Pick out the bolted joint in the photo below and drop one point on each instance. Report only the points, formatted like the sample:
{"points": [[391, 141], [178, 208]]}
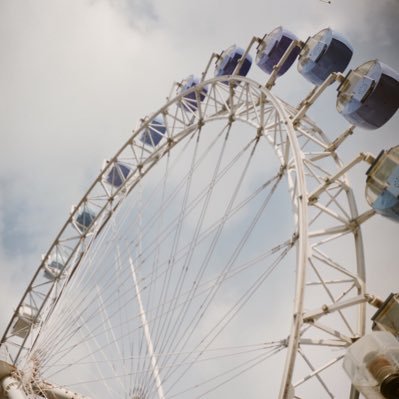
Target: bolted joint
{"points": [[294, 238], [281, 171], [313, 199], [259, 132], [368, 158], [354, 225], [374, 300]]}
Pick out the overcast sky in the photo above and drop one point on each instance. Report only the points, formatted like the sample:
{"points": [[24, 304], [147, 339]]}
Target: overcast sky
{"points": [[77, 75]]}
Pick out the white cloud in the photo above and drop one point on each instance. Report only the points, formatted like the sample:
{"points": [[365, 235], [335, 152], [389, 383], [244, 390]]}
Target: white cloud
{"points": [[76, 76]]}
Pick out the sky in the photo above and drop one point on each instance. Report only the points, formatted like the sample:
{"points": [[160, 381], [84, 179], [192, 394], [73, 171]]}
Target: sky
{"points": [[77, 76]]}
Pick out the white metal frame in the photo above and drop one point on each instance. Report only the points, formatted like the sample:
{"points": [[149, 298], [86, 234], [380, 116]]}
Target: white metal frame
{"points": [[304, 152]]}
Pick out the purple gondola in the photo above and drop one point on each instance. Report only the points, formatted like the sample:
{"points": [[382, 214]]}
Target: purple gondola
{"points": [[118, 174], [154, 133], [272, 49], [190, 100], [369, 96], [324, 53], [84, 220], [229, 59]]}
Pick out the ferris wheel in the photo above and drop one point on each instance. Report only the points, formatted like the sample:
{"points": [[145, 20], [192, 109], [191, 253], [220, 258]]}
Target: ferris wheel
{"points": [[219, 253]]}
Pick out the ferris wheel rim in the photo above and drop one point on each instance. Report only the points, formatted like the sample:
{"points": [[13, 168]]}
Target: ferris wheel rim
{"points": [[301, 190]]}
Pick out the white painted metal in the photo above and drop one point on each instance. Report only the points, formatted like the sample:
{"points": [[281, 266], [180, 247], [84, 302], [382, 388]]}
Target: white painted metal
{"points": [[301, 201], [246, 52], [12, 388], [361, 157], [147, 333], [314, 95], [312, 315], [289, 134], [272, 80], [53, 392]]}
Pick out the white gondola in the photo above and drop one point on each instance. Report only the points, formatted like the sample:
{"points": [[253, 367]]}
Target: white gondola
{"points": [[27, 316], [53, 269]]}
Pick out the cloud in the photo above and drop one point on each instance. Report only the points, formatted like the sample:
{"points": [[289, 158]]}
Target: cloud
{"points": [[379, 40], [139, 14], [77, 76]]}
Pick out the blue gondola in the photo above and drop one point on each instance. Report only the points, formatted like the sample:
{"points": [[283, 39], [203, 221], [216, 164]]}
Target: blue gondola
{"points": [[154, 133], [118, 174], [272, 49], [190, 100], [84, 220], [382, 185], [229, 59], [369, 96], [324, 53]]}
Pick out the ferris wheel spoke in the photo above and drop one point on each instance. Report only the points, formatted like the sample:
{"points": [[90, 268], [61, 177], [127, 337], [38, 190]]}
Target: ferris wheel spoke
{"points": [[241, 268], [218, 232], [172, 195], [52, 368], [271, 349], [175, 241], [196, 233], [230, 374], [210, 230], [109, 330], [193, 204], [64, 339], [68, 313], [220, 325], [152, 297]]}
